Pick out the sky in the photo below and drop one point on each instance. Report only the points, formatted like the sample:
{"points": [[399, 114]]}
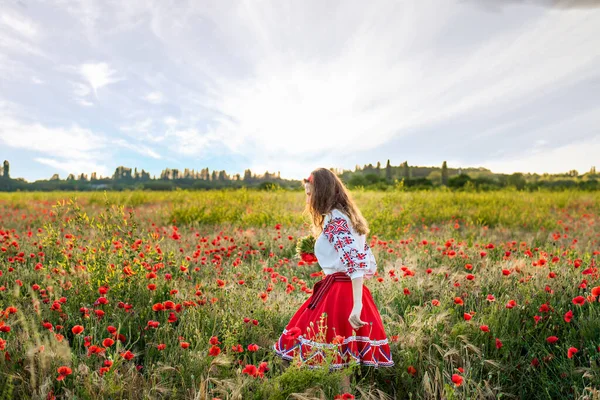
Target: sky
{"points": [[290, 86]]}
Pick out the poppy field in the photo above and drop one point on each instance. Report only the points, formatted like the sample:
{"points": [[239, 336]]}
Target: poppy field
{"points": [[181, 295]]}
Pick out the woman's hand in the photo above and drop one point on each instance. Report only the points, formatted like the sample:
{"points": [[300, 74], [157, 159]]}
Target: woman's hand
{"points": [[354, 318]]}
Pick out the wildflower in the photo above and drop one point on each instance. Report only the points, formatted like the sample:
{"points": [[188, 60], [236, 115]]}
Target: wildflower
{"points": [[551, 339], [579, 300], [457, 380], [214, 351], [77, 329], [63, 372]]}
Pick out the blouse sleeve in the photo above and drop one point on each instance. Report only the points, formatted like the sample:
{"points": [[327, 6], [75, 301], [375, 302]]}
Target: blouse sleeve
{"points": [[338, 233]]}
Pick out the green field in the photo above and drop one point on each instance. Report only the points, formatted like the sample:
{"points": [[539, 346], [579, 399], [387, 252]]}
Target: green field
{"points": [[533, 252]]}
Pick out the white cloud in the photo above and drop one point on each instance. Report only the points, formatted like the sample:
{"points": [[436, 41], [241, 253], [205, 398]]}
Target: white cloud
{"points": [[142, 149], [170, 121], [288, 85], [383, 78], [154, 97], [76, 142], [75, 167], [140, 126], [580, 156], [19, 24], [72, 149], [98, 75], [191, 142]]}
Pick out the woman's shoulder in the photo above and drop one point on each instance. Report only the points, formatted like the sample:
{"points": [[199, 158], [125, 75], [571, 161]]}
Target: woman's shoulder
{"points": [[335, 213]]}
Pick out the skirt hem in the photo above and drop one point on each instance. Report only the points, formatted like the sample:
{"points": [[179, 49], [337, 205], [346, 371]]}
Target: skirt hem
{"points": [[337, 366]]}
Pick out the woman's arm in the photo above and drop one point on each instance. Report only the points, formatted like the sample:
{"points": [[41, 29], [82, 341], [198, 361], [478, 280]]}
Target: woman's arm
{"points": [[357, 290], [338, 233]]}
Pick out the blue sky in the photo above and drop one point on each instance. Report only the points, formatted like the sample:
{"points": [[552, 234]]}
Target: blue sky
{"points": [[289, 86]]}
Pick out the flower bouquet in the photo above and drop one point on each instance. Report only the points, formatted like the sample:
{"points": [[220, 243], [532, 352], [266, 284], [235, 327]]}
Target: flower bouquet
{"points": [[305, 248]]}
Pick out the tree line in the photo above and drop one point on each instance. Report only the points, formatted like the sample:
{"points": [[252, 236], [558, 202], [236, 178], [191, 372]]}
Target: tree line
{"points": [[374, 177]]}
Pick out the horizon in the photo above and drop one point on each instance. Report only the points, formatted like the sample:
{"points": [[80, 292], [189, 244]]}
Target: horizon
{"points": [[261, 173], [87, 87]]}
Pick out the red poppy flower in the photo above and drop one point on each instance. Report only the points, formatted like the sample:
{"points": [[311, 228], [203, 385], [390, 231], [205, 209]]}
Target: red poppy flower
{"points": [[571, 351], [467, 316], [184, 345], [458, 300], [214, 340], [412, 370], [128, 355], [263, 366], [250, 370], [108, 342], [169, 305], [435, 302], [63, 371], [551, 339], [579, 300], [338, 339], [77, 329], [484, 328], [498, 343], [457, 379], [344, 396], [511, 304], [214, 351], [505, 272], [568, 316]]}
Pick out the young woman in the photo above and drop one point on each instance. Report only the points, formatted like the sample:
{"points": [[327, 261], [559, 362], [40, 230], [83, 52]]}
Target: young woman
{"points": [[340, 314]]}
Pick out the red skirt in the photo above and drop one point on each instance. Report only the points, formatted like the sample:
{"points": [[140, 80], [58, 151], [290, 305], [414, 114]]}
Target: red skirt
{"points": [[320, 329]]}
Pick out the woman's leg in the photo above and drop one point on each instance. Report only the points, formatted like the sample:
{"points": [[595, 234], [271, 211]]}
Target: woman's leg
{"points": [[345, 384]]}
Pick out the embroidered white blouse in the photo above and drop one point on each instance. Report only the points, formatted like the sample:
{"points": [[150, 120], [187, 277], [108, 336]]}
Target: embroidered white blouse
{"points": [[341, 248]]}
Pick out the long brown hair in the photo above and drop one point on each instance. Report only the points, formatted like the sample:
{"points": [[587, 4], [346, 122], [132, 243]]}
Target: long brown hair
{"points": [[329, 192]]}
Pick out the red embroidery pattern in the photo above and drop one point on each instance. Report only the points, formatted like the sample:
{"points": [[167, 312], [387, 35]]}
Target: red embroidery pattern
{"points": [[338, 233]]}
